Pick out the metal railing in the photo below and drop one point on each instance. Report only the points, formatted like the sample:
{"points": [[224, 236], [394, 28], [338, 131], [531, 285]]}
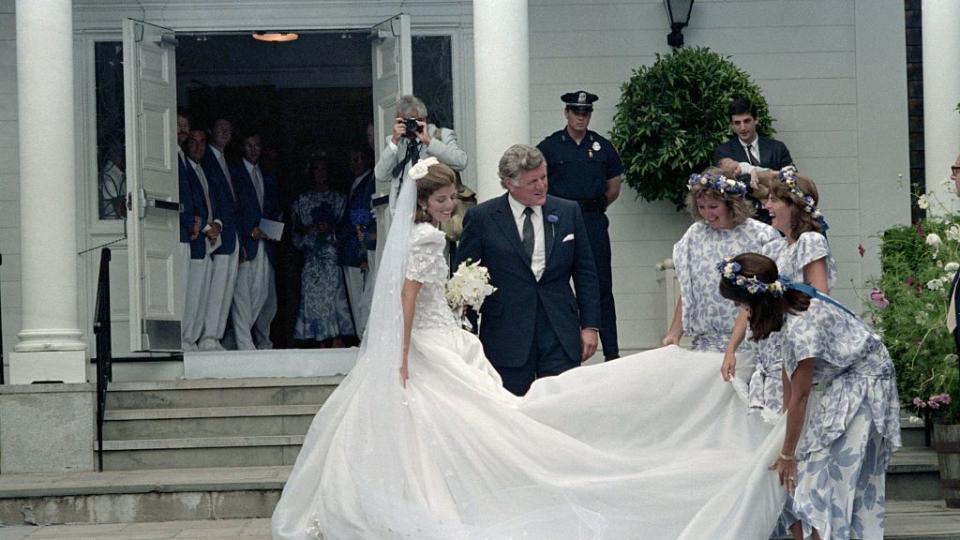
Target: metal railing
{"points": [[101, 328]]}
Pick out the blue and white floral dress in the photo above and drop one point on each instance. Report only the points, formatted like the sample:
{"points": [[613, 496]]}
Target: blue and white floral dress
{"points": [[323, 312], [852, 425], [766, 383], [708, 317]]}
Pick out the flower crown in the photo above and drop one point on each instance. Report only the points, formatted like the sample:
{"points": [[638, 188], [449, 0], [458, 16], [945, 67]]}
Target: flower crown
{"points": [[730, 271], [717, 182], [422, 167], [788, 176]]}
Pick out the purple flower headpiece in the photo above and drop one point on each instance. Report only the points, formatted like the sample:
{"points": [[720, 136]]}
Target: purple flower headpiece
{"points": [[718, 183], [730, 272]]}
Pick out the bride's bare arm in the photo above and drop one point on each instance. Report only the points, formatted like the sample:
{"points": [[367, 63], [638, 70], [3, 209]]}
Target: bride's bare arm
{"points": [[408, 302]]}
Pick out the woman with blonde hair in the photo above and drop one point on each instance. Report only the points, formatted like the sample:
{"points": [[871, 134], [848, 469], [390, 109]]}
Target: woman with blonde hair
{"points": [[723, 227]]}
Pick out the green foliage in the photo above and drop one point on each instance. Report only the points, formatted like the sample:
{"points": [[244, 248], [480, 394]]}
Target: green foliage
{"points": [[917, 274], [673, 113]]}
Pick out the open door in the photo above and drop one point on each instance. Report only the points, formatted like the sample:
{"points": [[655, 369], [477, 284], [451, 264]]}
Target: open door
{"points": [[392, 78], [153, 205]]}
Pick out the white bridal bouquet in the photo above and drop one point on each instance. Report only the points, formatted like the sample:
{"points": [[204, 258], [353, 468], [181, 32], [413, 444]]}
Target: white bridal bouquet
{"points": [[469, 286]]}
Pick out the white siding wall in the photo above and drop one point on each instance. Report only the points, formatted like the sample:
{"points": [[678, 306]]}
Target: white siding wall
{"points": [[833, 73], [9, 181]]}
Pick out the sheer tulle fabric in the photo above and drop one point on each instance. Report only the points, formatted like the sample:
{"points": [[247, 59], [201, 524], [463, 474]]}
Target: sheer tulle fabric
{"points": [[651, 446]]}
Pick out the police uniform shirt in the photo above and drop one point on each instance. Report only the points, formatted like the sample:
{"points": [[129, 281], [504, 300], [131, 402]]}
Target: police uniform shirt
{"points": [[579, 171]]}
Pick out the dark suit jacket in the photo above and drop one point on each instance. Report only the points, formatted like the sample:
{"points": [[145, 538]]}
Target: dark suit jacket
{"points": [[509, 315], [225, 204], [773, 153], [192, 203], [248, 208]]}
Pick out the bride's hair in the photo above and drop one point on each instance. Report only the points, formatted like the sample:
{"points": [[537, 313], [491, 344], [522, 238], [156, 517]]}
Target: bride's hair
{"points": [[438, 176], [767, 311]]}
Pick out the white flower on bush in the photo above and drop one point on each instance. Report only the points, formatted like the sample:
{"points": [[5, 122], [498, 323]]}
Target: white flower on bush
{"points": [[923, 202], [953, 233], [950, 358], [920, 318], [951, 267], [935, 284], [933, 240]]}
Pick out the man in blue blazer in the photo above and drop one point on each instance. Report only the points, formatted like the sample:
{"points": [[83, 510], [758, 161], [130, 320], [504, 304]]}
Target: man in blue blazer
{"points": [[533, 244], [225, 259], [255, 294], [746, 150], [199, 229]]}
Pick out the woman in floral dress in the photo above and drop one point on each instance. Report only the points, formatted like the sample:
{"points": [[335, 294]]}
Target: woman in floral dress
{"points": [[324, 315], [803, 256], [843, 412], [723, 228]]}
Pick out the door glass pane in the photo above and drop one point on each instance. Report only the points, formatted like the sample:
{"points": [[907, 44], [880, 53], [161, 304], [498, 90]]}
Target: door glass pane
{"points": [[433, 77], [111, 155]]}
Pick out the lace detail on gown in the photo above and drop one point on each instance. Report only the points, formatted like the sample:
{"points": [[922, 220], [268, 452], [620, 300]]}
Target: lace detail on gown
{"points": [[426, 264]]}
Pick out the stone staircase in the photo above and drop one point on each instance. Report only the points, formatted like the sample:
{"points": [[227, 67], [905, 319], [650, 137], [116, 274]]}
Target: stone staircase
{"points": [[210, 422], [222, 449]]}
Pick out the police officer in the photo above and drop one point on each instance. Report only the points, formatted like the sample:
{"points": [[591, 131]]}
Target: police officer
{"points": [[584, 167]]}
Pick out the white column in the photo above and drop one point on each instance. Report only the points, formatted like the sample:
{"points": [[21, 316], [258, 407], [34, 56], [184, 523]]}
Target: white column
{"points": [[941, 92], [501, 48], [50, 346]]}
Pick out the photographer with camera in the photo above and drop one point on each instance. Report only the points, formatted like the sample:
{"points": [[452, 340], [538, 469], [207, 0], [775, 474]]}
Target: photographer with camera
{"points": [[412, 139]]}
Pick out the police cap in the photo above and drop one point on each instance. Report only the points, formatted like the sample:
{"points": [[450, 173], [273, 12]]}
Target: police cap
{"points": [[580, 100]]}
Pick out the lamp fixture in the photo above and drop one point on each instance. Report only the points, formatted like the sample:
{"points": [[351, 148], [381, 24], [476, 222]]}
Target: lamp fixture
{"points": [[275, 37], [679, 13]]}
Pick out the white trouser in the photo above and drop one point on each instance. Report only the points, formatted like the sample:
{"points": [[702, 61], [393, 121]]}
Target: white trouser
{"points": [[196, 276], [223, 279], [252, 308], [360, 292]]}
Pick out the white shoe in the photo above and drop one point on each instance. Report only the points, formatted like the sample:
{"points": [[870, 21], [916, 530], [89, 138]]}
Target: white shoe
{"points": [[210, 344], [189, 347]]}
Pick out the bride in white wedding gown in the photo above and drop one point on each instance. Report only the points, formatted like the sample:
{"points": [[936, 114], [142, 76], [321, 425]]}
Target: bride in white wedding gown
{"points": [[651, 446]]}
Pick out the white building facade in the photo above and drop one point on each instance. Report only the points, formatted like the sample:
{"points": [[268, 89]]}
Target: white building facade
{"points": [[833, 72]]}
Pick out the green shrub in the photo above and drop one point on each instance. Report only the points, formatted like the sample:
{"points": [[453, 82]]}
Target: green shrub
{"points": [[908, 305], [673, 113]]}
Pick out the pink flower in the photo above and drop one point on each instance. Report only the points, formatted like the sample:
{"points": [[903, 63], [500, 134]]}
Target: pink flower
{"points": [[939, 399], [919, 403], [879, 299], [861, 250]]}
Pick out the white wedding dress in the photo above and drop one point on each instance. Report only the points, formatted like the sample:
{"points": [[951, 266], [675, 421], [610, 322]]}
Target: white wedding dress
{"points": [[651, 446]]}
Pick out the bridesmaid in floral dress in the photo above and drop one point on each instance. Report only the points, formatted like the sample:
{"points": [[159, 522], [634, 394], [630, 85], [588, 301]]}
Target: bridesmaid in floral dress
{"points": [[803, 256], [843, 412], [723, 228]]}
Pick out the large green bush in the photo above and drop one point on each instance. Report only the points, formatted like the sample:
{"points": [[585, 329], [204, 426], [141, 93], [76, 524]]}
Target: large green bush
{"points": [[673, 113], [908, 305]]}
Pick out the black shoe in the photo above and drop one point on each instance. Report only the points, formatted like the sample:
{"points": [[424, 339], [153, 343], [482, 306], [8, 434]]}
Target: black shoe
{"points": [[613, 356]]}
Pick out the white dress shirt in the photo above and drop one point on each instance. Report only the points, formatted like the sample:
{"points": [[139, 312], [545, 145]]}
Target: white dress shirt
{"points": [[217, 153], [257, 178], [539, 260], [745, 166]]}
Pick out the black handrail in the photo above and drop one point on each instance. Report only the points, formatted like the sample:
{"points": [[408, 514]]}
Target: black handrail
{"points": [[101, 328]]}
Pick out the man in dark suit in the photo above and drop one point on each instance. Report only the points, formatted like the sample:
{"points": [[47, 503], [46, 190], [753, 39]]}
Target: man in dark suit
{"points": [[255, 294], [953, 317], [533, 244], [357, 237], [746, 150]]}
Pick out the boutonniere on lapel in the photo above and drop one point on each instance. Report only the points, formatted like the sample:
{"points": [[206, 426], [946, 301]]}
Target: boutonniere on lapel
{"points": [[552, 219]]}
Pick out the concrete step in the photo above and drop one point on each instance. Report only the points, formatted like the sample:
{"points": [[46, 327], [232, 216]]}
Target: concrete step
{"points": [[186, 453], [220, 392], [226, 493], [914, 474], [125, 424]]}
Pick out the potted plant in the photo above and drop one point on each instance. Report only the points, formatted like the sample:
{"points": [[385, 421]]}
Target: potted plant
{"points": [[908, 306], [673, 113]]}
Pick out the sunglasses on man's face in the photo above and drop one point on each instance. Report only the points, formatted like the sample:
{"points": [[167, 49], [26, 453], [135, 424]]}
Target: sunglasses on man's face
{"points": [[955, 169]]}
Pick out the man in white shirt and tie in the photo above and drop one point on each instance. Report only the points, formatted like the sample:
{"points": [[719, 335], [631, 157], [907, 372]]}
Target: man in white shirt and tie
{"points": [[255, 295], [746, 150], [201, 227], [225, 259], [534, 245]]}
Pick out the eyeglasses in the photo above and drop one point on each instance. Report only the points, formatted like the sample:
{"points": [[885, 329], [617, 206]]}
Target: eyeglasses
{"points": [[955, 169]]}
